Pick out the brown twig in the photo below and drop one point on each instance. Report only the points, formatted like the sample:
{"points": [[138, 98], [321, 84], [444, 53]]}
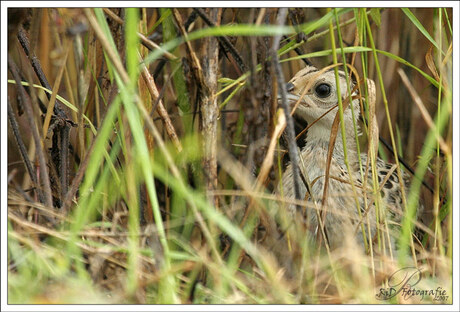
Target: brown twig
{"points": [[209, 106], [62, 121], [162, 92], [63, 172], [225, 43], [290, 133], [194, 61], [149, 44], [39, 72], [192, 18], [160, 107], [35, 135], [299, 52], [23, 150], [77, 179], [73, 188]]}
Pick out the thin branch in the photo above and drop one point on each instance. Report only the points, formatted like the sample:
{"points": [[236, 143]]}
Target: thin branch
{"points": [[162, 93], [77, 179], [63, 128], [107, 46], [193, 61], [226, 44], [23, 150], [149, 44], [64, 161], [39, 72], [209, 106], [299, 52], [192, 18], [160, 107], [290, 133], [84, 164], [33, 128]]}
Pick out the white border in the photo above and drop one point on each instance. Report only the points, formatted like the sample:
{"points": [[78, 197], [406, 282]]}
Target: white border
{"points": [[235, 4], [3, 136]]}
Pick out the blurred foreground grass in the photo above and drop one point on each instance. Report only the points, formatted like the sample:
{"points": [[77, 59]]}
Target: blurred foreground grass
{"points": [[147, 222]]}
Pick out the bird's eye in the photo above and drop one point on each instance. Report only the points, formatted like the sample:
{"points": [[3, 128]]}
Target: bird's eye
{"points": [[323, 90]]}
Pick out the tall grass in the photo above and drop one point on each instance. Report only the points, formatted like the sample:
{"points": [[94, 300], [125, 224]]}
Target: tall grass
{"points": [[144, 226]]}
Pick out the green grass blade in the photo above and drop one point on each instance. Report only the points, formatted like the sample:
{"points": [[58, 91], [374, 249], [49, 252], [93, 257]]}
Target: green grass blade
{"points": [[420, 27]]}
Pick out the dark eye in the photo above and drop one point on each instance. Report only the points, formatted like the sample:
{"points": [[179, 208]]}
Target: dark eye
{"points": [[323, 90]]}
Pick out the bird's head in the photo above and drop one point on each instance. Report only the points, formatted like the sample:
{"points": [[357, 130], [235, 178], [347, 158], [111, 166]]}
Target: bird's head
{"points": [[316, 93]]}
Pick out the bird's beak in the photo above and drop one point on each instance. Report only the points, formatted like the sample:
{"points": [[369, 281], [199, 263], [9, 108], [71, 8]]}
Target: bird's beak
{"points": [[290, 98]]}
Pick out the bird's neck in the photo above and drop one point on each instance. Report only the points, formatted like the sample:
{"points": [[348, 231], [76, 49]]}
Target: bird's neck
{"points": [[319, 137]]}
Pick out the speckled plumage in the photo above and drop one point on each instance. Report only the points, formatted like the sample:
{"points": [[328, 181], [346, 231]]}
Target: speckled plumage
{"points": [[343, 203]]}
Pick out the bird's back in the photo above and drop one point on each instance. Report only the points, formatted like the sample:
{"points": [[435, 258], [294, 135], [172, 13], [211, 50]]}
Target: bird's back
{"points": [[350, 202]]}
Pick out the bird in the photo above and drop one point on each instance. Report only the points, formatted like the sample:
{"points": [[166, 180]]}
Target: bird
{"points": [[349, 206]]}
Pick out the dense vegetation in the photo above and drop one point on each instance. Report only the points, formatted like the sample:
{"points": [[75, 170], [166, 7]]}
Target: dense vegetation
{"points": [[144, 148]]}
